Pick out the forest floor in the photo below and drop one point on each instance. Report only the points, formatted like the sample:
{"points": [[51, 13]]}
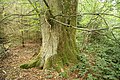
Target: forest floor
{"points": [[10, 67]]}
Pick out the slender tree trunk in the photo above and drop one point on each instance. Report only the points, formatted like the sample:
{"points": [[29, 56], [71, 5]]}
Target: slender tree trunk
{"points": [[58, 41], [2, 38]]}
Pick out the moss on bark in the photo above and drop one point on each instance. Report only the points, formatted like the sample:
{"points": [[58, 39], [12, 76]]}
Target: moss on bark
{"points": [[32, 63], [58, 41]]}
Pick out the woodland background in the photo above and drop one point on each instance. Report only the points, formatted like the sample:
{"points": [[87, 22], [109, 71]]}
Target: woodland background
{"points": [[97, 38]]}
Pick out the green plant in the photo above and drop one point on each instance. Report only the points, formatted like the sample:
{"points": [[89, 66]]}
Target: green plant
{"points": [[99, 60], [63, 74]]}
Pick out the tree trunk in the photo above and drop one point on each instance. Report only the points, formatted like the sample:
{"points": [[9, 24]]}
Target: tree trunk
{"points": [[58, 41], [2, 36]]}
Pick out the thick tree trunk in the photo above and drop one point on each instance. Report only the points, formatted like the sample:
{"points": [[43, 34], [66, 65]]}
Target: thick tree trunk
{"points": [[58, 41]]}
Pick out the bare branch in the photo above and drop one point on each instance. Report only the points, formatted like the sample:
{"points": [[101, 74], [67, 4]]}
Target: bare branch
{"points": [[110, 30], [5, 18], [46, 4], [69, 25], [15, 15], [83, 29], [88, 14], [50, 12]]}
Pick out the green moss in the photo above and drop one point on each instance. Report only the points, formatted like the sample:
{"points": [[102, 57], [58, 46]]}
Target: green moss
{"points": [[24, 66], [55, 62], [38, 63], [48, 64], [33, 63], [58, 68]]}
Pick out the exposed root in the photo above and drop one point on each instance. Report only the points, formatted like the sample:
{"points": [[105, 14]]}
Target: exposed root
{"points": [[33, 63]]}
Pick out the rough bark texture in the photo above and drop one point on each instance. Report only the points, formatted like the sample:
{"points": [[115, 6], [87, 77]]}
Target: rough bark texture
{"points": [[58, 41]]}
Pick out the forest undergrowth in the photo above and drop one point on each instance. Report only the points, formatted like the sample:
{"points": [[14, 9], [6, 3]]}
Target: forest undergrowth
{"points": [[99, 59]]}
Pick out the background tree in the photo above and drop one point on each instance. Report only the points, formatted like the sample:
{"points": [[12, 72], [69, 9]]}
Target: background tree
{"points": [[2, 34]]}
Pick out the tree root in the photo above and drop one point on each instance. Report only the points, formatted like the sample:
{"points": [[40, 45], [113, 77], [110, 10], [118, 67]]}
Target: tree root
{"points": [[33, 63]]}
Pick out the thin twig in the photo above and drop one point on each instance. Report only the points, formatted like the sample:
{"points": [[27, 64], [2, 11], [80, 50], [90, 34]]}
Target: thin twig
{"points": [[116, 40], [37, 11], [50, 12], [15, 15]]}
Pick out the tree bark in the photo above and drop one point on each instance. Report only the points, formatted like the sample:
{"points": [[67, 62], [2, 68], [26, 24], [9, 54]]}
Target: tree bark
{"points": [[58, 41]]}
